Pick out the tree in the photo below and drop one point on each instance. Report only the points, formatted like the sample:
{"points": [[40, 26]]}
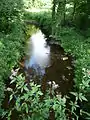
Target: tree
{"points": [[9, 11]]}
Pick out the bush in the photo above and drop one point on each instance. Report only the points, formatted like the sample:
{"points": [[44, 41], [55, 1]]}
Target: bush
{"points": [[9, 12], [11, 39], [43, 19], [30, 103]]}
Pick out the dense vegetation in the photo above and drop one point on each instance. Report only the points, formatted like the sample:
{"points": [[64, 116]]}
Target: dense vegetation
{"points": [[67, 22], [11, 39]]}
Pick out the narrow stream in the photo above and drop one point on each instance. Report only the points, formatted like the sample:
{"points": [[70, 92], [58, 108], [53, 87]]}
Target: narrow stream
{"points": [[47, 64]]}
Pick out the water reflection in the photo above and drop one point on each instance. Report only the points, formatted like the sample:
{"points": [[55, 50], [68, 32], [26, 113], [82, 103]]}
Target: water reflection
{"points": [[48, 65], [39, 54]]}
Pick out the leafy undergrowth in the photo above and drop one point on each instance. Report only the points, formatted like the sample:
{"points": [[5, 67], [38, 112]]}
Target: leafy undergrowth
{"points": [[11, 39], [10, 54], [30, 103], [42, 18], [78, 45]]}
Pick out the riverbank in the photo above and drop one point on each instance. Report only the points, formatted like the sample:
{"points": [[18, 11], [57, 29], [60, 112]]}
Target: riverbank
{"points": [[11, 51], [50, 67], [75, 43]]}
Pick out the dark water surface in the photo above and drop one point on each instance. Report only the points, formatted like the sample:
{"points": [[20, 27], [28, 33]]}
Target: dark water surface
{"points": [[47, 64]]}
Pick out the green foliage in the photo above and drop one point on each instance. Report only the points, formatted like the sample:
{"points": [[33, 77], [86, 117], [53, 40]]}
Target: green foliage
{"points": [[11, 44], [82, 14], [29, 30], [76, 43], [30, 103], [10, 47], [11, 50], [10, 11], [42, 4], [11, 39], [42, 18], [71, 12]]}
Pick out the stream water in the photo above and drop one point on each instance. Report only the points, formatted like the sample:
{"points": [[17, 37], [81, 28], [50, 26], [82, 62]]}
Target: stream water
{"points": [[48, 64]]}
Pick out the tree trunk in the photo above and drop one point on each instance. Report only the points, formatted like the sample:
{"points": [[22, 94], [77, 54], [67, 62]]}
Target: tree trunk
{"points": [[64, 16], [53, 16], [53, 9], [74, 10]]}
